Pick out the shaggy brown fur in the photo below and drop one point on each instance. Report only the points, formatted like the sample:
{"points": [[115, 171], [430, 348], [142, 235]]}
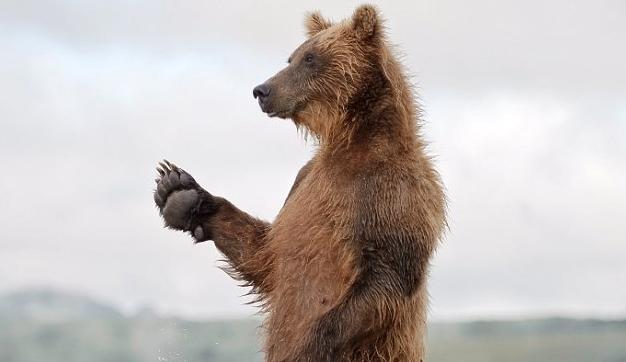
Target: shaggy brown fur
{"points": [[342, 270]]}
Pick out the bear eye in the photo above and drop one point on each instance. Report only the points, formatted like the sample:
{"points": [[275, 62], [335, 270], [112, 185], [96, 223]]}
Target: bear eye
{"points": [[308, 58]]}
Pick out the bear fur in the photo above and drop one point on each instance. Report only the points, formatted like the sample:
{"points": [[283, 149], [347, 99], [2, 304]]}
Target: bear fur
{"points": [[341, 272]]}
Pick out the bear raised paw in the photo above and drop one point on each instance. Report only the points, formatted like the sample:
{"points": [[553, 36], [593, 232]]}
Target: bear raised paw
{"points": [[181, 201]]}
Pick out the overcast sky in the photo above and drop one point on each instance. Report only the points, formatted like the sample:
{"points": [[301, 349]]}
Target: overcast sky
{"points": [[525, 109]]}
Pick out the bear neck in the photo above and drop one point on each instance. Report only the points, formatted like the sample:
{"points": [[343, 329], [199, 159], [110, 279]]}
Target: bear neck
{"points": [[381, 116]]}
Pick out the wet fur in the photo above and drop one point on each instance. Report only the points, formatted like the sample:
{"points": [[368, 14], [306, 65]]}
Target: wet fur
{"points": [[341, 272]]}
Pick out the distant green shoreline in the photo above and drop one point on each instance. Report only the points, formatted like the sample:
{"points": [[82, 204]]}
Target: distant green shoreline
{"points": [[53, 327]]}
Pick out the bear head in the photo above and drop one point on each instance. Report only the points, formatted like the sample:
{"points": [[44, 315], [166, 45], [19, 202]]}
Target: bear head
{"points": [[326, 72]]}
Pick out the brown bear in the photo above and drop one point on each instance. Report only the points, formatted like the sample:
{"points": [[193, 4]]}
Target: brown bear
{"points": [[341, 272]]}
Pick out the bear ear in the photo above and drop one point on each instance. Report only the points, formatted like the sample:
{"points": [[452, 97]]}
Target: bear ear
{"points": [[365, 21], [314, 23]]}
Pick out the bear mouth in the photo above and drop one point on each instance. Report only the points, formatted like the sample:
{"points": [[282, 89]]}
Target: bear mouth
{"points": [[267, 109], [282, 110]]}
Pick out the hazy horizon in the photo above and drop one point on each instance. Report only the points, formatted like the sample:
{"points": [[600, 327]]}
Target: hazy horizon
{"points": [[524, 110]]}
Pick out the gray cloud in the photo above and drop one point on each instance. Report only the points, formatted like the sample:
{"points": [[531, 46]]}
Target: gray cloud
{"points": [[524, 106]]}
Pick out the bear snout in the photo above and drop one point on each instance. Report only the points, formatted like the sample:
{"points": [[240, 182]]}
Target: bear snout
{"points": [[261, 91]]}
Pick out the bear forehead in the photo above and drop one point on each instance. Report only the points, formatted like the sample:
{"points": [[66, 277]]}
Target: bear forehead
{"points": [[336, 38], [335, 32]]}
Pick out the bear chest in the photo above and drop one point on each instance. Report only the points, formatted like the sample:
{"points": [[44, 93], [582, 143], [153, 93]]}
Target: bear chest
{"points": [[313, 249]]}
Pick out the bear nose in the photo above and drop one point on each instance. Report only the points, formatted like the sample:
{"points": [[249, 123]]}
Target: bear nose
{"points": [[261, 91]]}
